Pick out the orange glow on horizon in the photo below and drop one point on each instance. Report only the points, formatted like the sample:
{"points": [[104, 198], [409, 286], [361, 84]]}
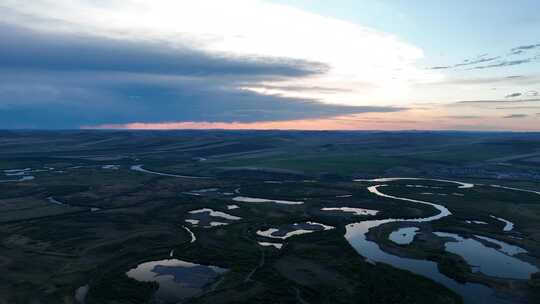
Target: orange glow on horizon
{"points": [[408, 120], [316, 124], [348, 122]]}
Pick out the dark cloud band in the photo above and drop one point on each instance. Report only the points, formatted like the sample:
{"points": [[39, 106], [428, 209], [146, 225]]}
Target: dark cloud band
{"points": [[26, 49], [67, 81]]}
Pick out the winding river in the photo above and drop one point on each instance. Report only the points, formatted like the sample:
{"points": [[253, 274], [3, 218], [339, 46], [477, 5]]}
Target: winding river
{"points": [[140, 168], [191, 234], [356, 236]]}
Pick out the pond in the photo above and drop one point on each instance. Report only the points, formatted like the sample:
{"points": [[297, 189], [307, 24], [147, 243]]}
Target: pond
{"points": [[293, 229], [403, 236], [508, 226], [355, 211], [140, 168], [246, 199], [271, 244], [178, 280], [208, 218], [80, 294], [487, 260]]}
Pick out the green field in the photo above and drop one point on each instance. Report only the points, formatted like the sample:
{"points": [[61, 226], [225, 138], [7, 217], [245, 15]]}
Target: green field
{"points": [[108, 221]]}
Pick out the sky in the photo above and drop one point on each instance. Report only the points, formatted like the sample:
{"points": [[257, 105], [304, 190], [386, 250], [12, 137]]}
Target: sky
{"points": [[275, 64]]}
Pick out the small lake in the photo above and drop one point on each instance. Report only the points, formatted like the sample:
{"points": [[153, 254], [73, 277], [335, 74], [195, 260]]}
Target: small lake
{"points": [[475, 222], [54, 201], [214, 213], [286, 232], [355, 211], [80, 294], [490, 261], [140, 168], [20, 179], [178, 280], [208, 218], [200, 192], [110, 167], [246, 199], [271, 244], [22, 175], [508, 226], [403, 236]]}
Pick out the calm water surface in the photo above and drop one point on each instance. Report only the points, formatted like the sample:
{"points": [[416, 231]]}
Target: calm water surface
{"points": [[356, 236], [178, 280]]}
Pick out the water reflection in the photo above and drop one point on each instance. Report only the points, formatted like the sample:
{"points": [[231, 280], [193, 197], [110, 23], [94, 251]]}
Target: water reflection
{"points": [[140, 168], [80, 294], [178, 280], [293, 229], [471, 293], [245, 199], [403, 236], [487, 260], [356, 236], [508, 226], [270, 244], [207, 218], [355, 211]]}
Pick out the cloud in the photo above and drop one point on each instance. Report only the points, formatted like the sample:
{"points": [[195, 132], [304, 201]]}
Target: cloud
{"points": [[466, 62], [67, 100], [25, 49], [463, 116], [525, 47], [300, 88], [66, 63], [65, 79], [515, 116], [518, 94], [515, 80], [443, 67], [476, 61], [287, 39], [480, 101], [503, 63], [513, 95], [518, 108]]}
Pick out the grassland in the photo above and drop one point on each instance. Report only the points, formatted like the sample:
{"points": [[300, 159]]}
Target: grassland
{"points": [[113, 219]]}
